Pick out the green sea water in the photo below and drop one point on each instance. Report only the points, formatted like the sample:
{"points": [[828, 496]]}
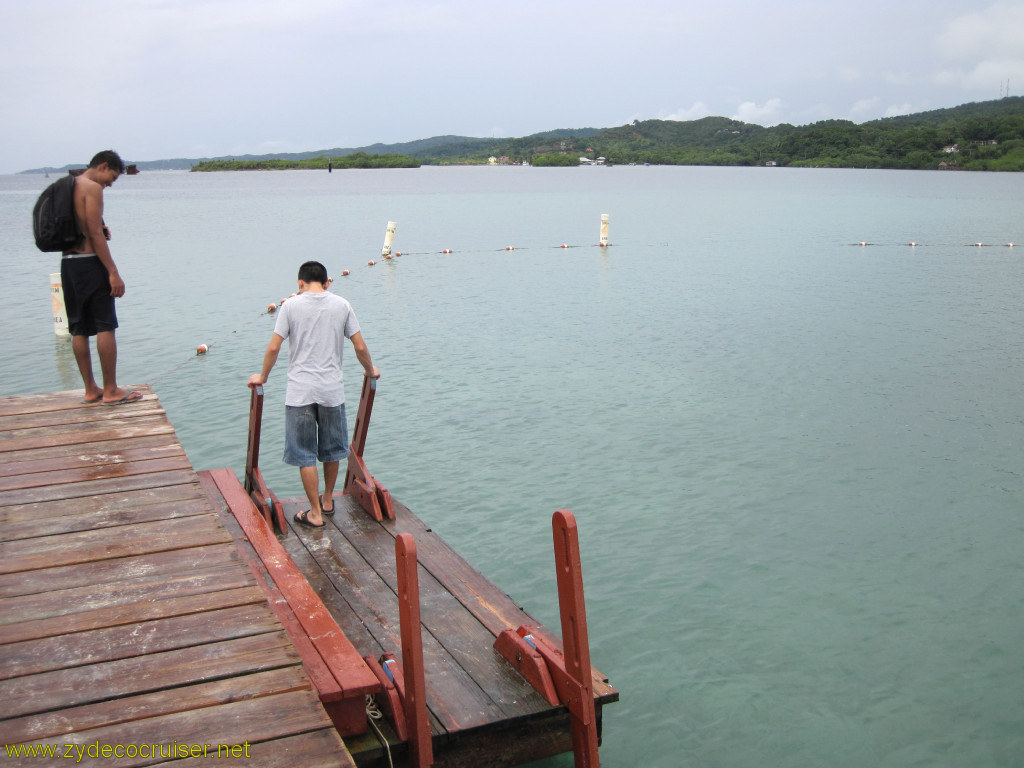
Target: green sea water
{"points": [[796, 461]]}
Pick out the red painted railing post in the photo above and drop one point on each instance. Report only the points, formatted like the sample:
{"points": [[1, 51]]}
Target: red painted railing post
{"points": [[266, 502], [364, 488], [562, 676], [420, 746], [575, 642]]}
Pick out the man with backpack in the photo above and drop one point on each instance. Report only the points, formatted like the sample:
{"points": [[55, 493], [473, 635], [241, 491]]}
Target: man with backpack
{"points": [[91, 282]]}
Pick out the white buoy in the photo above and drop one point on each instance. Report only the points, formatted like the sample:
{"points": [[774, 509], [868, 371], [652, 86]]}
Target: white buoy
{"points": [[389, 239], [344, 273], [60, 318], [202, 349], [604, 230], [446, 250]]}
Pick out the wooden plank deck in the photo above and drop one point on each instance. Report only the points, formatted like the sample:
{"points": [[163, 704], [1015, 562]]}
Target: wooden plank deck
{"points": [[127, 616], [482, 712]]}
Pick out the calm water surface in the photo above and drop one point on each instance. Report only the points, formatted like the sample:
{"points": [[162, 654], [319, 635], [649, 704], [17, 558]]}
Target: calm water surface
{"points": [[795, 461]]}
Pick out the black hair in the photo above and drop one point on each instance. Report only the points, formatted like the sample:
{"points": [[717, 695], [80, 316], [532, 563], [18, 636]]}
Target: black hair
{"points": [[110, 157], [313, 272]]}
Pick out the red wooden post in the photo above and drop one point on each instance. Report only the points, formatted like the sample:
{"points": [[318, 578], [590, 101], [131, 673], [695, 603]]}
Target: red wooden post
{"points": [[562, 676], [264, 499], [252, 453], [575, 642], [364, 488], [420, 746], [362, 425]]}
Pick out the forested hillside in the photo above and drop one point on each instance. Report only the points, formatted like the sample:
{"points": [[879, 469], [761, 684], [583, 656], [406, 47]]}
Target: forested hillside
{"points": [[987, 136], [983, 136]]}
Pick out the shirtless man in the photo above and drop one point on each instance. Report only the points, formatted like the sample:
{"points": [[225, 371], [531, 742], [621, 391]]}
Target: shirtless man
{"points": [[91, 282]]}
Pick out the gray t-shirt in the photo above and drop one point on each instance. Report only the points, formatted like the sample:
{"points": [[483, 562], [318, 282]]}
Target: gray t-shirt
{"points": [[316, 326]]}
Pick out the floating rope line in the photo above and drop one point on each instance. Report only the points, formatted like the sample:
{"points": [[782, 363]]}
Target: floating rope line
{"points": [[914, 244], [202, 349], [447, 251]]}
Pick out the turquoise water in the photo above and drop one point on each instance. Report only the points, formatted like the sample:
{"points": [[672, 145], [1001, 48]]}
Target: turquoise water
{"points": [[795, 461]]}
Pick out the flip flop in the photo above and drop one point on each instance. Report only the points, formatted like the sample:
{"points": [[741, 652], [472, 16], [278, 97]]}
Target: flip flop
{"points": [[131, 397], [327, 512], [87, 401], [301, 519]]}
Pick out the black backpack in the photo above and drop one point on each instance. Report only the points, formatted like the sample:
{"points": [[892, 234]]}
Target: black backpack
{"points": [[54, 222]]}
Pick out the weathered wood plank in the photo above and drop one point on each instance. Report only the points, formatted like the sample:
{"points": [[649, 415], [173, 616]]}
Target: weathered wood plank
{"points": [[16, 465], [70, 399], [494, 608], [319, 673], [75, 686], [98, 447], [49, 494], [49, 725], [118, 501], [317, 749], [128, 613], [92, 415], [124, 541], [97, 597], [88, 474], [195, 561], [33, 656], [90, 521], [356, 628], [454, 698], [233, 723], [122, 428], [345, 663], [445, 620]]}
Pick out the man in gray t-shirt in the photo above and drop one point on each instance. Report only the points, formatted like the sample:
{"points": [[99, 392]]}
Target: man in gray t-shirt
{"points": [[316, 324]]}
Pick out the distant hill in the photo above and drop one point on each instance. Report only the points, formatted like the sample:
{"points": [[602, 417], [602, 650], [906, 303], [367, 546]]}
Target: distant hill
{"points": [[977, 136], [432, 148]]}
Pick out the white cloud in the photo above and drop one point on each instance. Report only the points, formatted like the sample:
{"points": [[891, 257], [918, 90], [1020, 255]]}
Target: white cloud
{"points": [[989, 75], [987, 46], [749, 112], [696, 112], [993, 33]]}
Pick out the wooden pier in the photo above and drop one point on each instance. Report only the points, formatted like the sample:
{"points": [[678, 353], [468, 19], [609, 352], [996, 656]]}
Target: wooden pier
{"points": [[141, 602], [127, 618]]}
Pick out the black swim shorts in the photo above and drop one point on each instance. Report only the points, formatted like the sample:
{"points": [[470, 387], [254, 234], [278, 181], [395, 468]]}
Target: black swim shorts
{"points": [[87, 298]]}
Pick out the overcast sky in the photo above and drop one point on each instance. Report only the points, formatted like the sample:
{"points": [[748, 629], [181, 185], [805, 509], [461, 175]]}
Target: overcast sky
{"points": [[158, 79]]}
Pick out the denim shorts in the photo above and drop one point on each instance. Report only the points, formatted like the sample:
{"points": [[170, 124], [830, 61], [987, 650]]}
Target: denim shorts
{"points": [[313, 432]]}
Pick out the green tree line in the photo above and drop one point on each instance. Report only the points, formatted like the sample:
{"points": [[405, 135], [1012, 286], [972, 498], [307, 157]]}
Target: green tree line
{"points": [[354, 160], [985, 136]]}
